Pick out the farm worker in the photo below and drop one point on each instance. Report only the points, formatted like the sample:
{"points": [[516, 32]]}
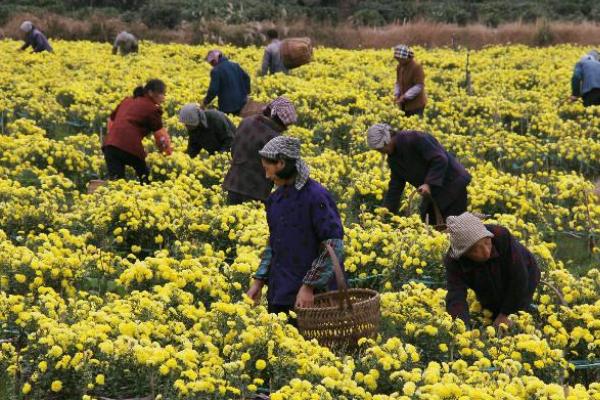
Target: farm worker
{"points": [[210, 130], [410, 82], [245, 180], [125, 43], [272, 61], [490, 261], [34, 38], [229, 82], [419, 159], [302, 219], [132, 120], [585, 82]]}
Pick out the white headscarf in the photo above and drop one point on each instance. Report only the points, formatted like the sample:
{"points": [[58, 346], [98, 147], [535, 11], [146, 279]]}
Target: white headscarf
{"points": [[379, 135], [27, 26]]}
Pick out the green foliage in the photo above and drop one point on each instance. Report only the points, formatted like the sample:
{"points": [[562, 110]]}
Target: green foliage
{"points": [[169, 13]]}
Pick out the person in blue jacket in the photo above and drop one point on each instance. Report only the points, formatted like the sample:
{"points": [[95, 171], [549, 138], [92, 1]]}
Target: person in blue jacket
{"points": [[585, 82], [34, 38], [229, 82]]}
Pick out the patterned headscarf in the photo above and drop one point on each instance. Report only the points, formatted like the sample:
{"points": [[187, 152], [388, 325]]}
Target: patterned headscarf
{"points": [[213, 55], [594, 54], [26, 26], [403, 51], [290, 148], [379, 135], [191, 114], [284, 110], [465, 230]]}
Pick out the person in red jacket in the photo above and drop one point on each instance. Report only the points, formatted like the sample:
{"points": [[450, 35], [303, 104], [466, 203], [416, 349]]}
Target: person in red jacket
{"points": [[133, 119]]}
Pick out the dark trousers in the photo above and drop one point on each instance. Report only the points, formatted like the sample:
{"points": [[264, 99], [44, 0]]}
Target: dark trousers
{"points": [[116, 160], [276, 309], [418, 111], [592, 98], [234, 198]]}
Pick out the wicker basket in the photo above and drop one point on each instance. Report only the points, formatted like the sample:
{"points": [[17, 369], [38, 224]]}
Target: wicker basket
{"points": [[94, 184], [252, 108], [340, 318], [296, 52]]}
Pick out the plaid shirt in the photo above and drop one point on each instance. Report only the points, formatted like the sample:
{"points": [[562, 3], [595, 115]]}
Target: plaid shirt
{"points": [[504, 284]]}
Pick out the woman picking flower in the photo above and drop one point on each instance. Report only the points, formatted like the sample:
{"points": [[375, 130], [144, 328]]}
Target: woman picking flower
{"points": [[133, 119], [302, 219], [490, 261]]}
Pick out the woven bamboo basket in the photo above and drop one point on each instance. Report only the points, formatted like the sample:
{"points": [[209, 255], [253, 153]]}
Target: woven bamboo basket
{"points": [[94, 184], [252, 108], [340, 318], [295, 52]]}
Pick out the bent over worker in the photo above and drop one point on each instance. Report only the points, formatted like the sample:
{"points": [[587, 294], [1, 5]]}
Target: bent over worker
{"points": [[585, 82], [303, 219], [34, 38], [490, 261], [419, 159], [208, 130], [133, 119], [229, 82], [125, 43]]}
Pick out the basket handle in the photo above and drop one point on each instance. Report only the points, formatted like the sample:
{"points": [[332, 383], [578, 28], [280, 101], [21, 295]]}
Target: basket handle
{"points": [[439, 219], [339, 277]]}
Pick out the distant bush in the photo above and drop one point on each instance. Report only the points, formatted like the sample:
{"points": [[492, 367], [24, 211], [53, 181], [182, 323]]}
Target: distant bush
{"points": [[162, 14]]}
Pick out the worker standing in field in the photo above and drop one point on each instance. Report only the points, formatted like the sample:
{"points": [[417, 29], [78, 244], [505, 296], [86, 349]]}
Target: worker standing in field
{"points": [[229, 82], [419, 159], [133, 119], [272, 61], [585, 82], [208, 130], [409, 91], [303, 220], [245, 180], [34, 38], [125, 43], [490, 261]]}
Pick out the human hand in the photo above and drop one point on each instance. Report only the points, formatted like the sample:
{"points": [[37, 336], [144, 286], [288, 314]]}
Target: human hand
{"points": [[573, 99], [502, 319], [305, 297], [424, 189], [400, 99], [255, 291]]}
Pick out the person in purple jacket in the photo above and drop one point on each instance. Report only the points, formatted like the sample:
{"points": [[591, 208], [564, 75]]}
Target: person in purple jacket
{"points": [[34, 38], [419, 159], [302, 219], [490, 261]]}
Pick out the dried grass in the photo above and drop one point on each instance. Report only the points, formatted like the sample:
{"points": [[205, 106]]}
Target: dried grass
{"points": [[427, 34]]}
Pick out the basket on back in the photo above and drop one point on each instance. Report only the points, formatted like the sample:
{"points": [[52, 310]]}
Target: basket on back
{"points": [[340, 318], [296, 52], [252, 108]]}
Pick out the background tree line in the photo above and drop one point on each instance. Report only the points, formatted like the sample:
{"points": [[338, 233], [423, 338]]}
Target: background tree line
{"points": [[170, 13]]}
